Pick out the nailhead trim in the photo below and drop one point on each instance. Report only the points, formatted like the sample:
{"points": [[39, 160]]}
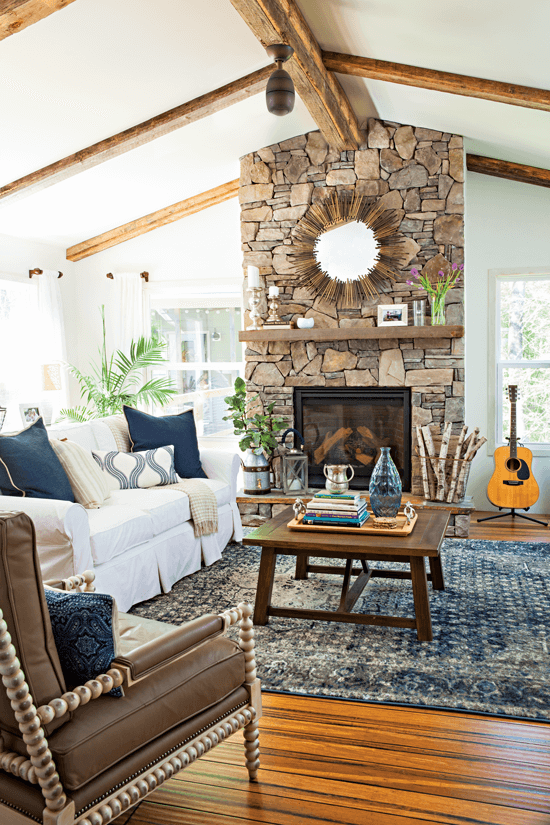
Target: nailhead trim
{"points": [[159, 759], [21, 810]]}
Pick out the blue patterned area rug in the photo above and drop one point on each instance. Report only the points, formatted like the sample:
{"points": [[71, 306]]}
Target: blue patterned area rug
{"points": [[491, 630]]}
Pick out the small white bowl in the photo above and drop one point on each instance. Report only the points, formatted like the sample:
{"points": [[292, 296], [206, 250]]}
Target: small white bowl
{"points": [[305, 323]]}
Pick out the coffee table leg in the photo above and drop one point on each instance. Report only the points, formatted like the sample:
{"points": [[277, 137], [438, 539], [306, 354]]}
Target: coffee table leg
{"points": [[265, 585], [421, 603], [438, 582], [302, 562]]}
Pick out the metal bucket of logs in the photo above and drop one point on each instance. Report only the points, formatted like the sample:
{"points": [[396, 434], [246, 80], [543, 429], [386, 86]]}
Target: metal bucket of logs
{"points": [[446, 460]]}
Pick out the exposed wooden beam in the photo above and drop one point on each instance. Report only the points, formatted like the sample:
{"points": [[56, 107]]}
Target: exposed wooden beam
{"points": [[281, 21], [157, 126], [456, 84], [511, 171], [16, 15], [149, 222]]}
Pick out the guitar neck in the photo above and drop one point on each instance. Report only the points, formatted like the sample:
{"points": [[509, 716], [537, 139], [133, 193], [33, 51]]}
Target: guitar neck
{"points": [[513, 430]]}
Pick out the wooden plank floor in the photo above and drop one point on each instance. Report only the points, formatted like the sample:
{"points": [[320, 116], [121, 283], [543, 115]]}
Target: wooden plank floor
{"points": [[350, 763], [508, 529]]}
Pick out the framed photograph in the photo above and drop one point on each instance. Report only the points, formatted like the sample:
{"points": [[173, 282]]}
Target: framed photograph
{"points": [[392, 315], [29, 413]]}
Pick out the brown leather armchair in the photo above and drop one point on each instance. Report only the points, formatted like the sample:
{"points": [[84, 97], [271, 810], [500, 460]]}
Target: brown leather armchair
{"points": [[79, 755]]}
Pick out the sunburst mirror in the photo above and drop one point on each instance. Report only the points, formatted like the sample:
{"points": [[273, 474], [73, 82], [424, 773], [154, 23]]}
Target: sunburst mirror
{"points": [[346, 247]]}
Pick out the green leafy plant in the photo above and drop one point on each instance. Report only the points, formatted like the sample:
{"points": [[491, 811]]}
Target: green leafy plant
{"points": [[118, 380], [256, 429]]}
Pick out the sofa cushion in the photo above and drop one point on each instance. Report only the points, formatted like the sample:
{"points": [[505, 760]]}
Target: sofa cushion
{"points": [[82, 434], [119, 430], [86, 479], [30, 467], [85, 629], [220, 488], [116, 528], [104, 731], [165, 508], [149, 431], [147, 468]]}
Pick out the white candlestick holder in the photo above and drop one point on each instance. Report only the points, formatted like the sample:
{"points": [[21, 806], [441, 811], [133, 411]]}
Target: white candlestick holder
{"points": [[254, 302]]}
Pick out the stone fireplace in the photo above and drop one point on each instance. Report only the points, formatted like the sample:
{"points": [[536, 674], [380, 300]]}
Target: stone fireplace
{"points": [[418, 172], [348, 425]]}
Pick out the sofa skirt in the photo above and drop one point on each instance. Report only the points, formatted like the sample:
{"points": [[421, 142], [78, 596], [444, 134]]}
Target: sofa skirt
{"points": [[154, 566]]}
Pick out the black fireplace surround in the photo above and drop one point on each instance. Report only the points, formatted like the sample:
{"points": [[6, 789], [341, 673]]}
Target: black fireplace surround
{"points": [[348, 425]]}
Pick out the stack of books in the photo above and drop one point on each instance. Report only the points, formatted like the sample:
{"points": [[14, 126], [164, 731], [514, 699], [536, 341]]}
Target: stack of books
{"points": [[336, 510]]}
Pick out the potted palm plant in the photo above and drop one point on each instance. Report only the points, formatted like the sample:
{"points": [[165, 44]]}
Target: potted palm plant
{"points": [[256, 437], [118, 380]]}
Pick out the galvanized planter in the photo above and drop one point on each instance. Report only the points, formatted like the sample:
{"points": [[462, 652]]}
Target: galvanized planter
{"points": [[256, 469]]}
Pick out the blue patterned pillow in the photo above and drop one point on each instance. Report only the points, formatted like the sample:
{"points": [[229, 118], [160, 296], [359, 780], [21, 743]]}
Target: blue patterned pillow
{"points": [[127, 471], [85, 630]]}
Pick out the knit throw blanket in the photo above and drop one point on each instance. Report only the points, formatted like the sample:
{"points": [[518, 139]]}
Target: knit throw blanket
{"points": [[202, 503]]}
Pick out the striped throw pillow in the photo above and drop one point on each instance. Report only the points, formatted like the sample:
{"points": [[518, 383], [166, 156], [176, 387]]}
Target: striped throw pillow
{"points": [[86, 479], [126, 471]]}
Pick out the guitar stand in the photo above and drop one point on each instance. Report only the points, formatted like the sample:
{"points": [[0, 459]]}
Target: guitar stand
{"points": [[513, 513]]}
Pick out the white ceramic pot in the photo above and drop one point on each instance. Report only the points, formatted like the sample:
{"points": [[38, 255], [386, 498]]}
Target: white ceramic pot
{"points": [[305, 323]]}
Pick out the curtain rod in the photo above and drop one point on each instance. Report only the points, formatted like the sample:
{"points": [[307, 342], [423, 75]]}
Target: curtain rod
{"points": [[144, 275], [39, 272]]}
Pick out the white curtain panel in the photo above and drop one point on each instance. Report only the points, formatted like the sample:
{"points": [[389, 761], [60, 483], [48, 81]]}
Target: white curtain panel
{"points": [[128, 309], [50, 311], [52, 346]]}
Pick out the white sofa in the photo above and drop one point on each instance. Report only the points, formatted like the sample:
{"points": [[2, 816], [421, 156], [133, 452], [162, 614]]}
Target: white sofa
{"points": [[140, 541]]}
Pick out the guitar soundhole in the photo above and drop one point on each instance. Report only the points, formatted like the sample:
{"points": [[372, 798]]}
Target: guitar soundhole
{"points": [[513, 465]]}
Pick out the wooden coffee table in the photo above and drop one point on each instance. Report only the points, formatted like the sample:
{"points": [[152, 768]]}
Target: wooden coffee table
{"points": [[275, 539]]}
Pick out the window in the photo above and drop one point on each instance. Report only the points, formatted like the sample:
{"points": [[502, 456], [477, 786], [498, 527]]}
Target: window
{"points": [[205, 356], [20, 356], [522, 349]]}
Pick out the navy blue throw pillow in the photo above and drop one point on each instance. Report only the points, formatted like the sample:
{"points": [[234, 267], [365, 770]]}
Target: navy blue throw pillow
{"points": [[150, 431], [84, 627], [29, 466]]}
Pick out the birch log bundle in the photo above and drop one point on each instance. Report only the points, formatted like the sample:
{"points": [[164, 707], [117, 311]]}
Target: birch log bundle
{"points": [[445, 461]]}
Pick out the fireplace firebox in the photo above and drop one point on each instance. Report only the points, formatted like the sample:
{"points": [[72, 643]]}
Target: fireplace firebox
{"points": [[348, 425]]}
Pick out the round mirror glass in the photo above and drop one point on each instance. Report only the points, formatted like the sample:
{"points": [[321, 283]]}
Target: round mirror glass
{"points": [[347, 252]]}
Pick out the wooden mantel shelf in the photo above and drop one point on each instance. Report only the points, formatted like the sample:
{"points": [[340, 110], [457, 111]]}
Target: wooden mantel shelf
{"points": [[350, 333]]}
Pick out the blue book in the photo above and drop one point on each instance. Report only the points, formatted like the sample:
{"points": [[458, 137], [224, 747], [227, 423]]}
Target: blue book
{"points": [[335, 522], [335, 514]]}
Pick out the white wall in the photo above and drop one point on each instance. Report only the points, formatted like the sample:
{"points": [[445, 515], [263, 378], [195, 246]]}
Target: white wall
{"points": [[507, 225], [204, 248]]}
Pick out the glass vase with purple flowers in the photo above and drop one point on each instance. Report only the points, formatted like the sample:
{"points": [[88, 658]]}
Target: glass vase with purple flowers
{"points": [[437, 288]]}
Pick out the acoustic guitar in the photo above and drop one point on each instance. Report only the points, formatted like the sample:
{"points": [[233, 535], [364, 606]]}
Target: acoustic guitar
{"points": [[512, 484]]}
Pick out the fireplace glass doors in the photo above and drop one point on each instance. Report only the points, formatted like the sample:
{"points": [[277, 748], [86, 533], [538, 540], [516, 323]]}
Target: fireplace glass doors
{"points": [[348, 425]]}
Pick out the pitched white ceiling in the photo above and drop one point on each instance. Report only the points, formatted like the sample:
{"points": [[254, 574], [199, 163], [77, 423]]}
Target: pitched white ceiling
{"points": [[100, 66]]}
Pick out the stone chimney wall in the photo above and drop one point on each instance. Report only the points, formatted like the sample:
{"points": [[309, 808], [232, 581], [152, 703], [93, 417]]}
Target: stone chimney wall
{"points": [[418, 172]]}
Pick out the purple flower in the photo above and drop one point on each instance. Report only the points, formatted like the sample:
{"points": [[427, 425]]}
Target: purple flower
{"points": [[410, 283], [454, 266], [441, 273], [461, 266], [414, 272]]}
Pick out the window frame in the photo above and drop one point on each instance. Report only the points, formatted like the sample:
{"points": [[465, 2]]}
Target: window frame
{"points": [[497, 365], [192, 294]]}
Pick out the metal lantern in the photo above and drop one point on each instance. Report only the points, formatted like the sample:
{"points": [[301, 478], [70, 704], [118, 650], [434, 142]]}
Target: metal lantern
{"points": [[294, 471]]}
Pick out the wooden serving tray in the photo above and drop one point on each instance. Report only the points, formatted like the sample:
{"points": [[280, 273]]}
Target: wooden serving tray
{"points": [[367, 529]]}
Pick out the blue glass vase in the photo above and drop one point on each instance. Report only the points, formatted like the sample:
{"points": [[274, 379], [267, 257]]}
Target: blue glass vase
{"points": [[385, 486]]}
